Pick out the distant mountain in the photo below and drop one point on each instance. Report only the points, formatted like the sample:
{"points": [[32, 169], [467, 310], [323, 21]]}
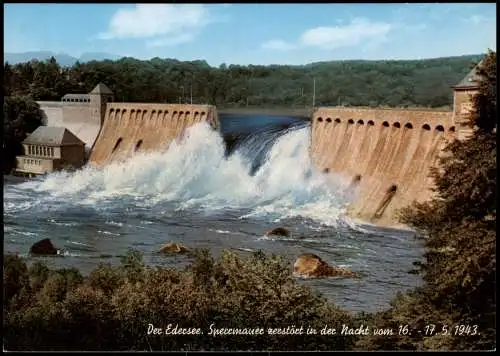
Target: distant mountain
{"points": [[62, 58]]}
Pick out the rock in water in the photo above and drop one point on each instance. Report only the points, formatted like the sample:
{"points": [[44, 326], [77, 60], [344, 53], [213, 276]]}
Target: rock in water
{"points": [[279, 231], [43, 247], [311, 265], [173, 247]]}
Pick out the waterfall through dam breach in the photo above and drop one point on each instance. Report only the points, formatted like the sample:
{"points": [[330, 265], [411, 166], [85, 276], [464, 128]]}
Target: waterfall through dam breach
{"points": [[199, 193]]}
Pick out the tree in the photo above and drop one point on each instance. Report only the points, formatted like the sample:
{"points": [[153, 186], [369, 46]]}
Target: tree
{"points": [[21, 116], [484, 116], [378, 83]]}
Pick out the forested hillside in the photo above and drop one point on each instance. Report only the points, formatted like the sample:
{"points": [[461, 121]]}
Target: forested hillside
{"points": [[424, 83]]}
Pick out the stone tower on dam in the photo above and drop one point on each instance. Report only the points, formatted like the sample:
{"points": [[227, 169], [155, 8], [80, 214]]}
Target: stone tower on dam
{"points": [[82, 114], [387, 154]]}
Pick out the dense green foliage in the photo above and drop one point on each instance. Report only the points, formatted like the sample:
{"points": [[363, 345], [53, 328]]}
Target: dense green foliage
{"points": [[112, 307], [424, 83], [21, 115], [460, 227]]}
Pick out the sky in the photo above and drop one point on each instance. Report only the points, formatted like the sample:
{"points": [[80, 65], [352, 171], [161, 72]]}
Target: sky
{"points": [[253, 33]]}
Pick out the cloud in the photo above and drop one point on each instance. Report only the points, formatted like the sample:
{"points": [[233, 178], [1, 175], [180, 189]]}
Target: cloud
{"points": [[354, 33], [414, 28], [358, 31], [279, 45], [158, 20]]}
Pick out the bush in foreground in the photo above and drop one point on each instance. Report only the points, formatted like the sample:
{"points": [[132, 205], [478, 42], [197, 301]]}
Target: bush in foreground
{"points": [[112, 307]]}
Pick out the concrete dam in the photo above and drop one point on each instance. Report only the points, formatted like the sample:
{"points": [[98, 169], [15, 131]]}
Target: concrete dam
{"points": [[385, 154], [134, 127]]}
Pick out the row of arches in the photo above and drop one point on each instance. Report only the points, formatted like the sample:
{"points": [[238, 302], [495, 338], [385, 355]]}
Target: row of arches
{"points": [[119, 141], [159, 113], [396, 124]]}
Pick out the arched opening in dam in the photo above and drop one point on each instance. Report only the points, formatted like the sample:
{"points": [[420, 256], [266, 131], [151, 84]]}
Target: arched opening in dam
{"points": [[117, 144], [218, 190]]}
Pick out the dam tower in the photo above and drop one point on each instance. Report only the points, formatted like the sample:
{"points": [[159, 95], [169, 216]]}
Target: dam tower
{"points": [[99, 97], [462, 101]]}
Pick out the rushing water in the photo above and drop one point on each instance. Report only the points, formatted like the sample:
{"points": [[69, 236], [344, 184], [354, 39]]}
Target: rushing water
{"points": [[204, 195]]}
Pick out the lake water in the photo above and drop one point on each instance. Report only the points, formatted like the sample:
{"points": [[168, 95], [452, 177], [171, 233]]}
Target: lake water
{"points": [[204, 193]]}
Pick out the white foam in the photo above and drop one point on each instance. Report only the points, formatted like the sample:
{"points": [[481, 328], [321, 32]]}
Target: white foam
{"points": [[104, 232], [196, 173], [225, 232]]}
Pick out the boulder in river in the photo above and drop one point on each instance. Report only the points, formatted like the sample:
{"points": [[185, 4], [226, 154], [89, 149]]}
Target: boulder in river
{"points": [[279, 231], [311, 265], [173, 247], [43, 247]]}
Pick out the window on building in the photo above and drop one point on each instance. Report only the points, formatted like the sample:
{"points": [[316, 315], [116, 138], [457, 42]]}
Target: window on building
{"points": [[52, 151]]}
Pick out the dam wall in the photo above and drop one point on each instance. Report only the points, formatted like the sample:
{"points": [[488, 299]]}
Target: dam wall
{"points": [[139, 127], [386, 154]]}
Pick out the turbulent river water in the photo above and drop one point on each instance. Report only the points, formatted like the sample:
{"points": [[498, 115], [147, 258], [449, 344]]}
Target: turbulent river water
{"points": [[218, 191]]}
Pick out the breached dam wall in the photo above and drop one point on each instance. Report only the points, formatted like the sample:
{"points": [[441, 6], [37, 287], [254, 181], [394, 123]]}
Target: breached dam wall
{"points": [[136, 127], [386, 152]]}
